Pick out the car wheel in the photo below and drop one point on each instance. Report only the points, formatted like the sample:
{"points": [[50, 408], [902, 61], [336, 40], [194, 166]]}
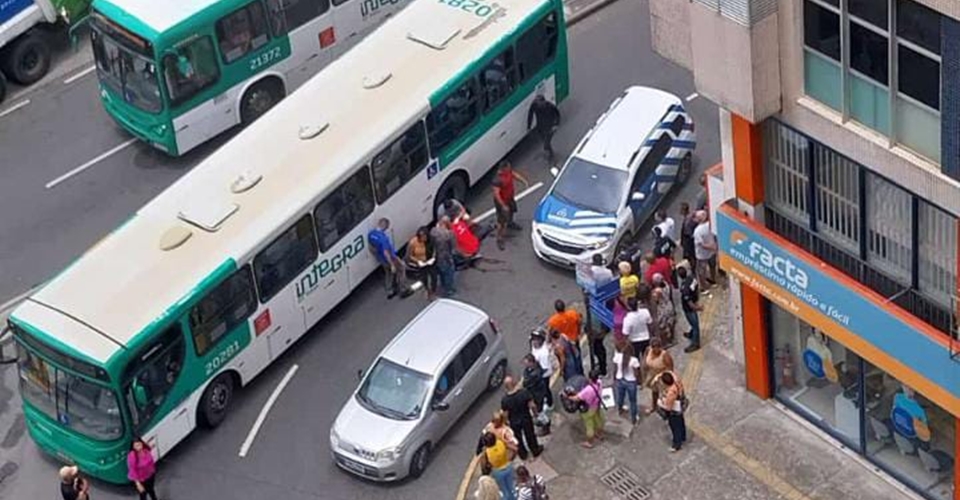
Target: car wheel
{"points": [[258, 99], [686, 166], [496, 376], [27, 60], [454, 187], [419, 462], [216, 401]]}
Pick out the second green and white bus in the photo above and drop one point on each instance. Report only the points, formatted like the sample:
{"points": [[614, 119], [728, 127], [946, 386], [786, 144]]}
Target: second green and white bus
{"points": [[176, 74], [153, 330]]}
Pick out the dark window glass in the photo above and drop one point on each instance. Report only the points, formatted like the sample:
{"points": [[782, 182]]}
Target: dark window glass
{"points": [[193, 69], [242, 32], [340, 2], [649, 164], [299, 12], [537, 46], [284, 258], [473, 350], [919, 24], [150, 376], [449, 379], [222, 310], [821, 30], [872, 11], [498, 79], [868, 53], [677, 126], [919, 77], [399, 162], [453, 116], [343, 209]]}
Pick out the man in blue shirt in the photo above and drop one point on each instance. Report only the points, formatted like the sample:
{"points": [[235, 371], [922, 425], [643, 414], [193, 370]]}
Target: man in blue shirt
{"points": [[394, 271]]}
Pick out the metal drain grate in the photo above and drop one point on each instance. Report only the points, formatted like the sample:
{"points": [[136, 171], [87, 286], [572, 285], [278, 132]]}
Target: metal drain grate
{"points": [[624, 483]]}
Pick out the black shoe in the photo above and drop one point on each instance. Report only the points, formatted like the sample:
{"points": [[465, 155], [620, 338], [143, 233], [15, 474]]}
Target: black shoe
{"points": [[688, 334], [692, 348], [406, 293], [391, 294], [514, 226]]}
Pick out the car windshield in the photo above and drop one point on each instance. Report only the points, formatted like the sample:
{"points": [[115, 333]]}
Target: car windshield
{"points": [[127, 73], [76, 403], [591, 186], [394, 391]]}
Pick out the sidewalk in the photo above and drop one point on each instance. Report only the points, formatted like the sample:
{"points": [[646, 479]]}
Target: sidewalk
{"points": [[739, 446]]}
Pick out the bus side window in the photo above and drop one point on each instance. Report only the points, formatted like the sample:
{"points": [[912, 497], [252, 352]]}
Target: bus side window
{"points": [[498, 79], [193, 68], [285, 257], [399, 162], [452, 117], [278, 21], [150, 376], [537, 46], [222, 310], [242, 31], [299, 12], [343, 209]]}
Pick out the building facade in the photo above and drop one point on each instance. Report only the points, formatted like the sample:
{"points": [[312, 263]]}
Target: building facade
{"points": [[837, 214]]}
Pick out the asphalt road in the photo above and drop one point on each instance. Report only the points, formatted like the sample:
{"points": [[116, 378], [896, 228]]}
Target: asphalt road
{"points": [[43, 229]]}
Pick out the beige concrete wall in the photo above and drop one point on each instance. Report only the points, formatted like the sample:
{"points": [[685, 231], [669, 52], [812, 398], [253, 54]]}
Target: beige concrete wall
{"points": [[670, 30]]}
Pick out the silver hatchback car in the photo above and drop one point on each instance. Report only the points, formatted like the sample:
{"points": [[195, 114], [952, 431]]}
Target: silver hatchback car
{"points": [[419, 385]]}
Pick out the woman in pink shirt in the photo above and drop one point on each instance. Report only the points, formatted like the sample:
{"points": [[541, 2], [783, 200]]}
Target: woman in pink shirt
{"points": [[590, 395], [141, 469]]}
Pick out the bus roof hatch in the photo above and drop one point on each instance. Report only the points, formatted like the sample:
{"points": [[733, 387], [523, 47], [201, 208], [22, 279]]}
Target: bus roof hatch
{"points": [[207, 214], [434, 35]]}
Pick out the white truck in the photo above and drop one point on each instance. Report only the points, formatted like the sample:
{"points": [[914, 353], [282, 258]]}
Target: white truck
{"points": [[25, 35]]}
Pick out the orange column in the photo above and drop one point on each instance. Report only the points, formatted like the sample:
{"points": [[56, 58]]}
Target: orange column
{"points": [[748, 176]]}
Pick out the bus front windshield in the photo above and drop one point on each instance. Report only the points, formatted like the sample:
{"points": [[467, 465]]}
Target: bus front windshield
{"points": [[126, 72], [73, 401]]}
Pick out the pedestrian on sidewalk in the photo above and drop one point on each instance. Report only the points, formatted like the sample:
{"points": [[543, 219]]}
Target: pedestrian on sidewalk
{"points": [[636, 326], [521, 409], [655, 361], [663, 245], [542, 351], [672, 405], [657, 265], [568, 355], [701, 203], [497, 457], [141, 469], [547, 117], [705, 250], [394, 270], [591, 411], [422, 258], [569, 322], [443, 250], [530, 486], [538, 388], [507, 175], [688, 224], [625, 379], [690, 304], [498, 427], [598, 350], [487, 489], [628, 282], [666, 311], [73, 486]]}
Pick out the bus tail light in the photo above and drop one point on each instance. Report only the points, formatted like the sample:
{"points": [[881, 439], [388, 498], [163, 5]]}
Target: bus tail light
{"points": [[262, 322], [327, 38]]}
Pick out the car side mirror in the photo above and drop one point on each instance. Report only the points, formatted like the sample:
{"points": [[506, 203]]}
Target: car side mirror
{"points": [[554, 171], [440, 406], [637, 196]]}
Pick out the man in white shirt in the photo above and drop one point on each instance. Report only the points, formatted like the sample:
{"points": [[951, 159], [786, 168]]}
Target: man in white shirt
{"points": [[542, 351], [636, 326], [668, 227], [705, 249], [601, 274]]}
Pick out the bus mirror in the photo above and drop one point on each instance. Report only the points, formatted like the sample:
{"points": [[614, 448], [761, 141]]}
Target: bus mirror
{"points": [[554, 171], [139, 394]]}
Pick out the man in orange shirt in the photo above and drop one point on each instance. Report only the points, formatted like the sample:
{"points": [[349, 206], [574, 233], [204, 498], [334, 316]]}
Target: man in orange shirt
{"points": [[566, 321]]}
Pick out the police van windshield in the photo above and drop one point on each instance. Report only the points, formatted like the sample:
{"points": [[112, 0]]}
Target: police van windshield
{"points": [[591, 186]]}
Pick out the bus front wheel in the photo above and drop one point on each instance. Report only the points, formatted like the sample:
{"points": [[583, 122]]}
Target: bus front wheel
{"points": [[258, 99], [216, 400], [454, 187], [27, 59]]}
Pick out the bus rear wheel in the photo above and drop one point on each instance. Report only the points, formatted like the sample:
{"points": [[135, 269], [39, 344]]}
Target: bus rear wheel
{"points": [[258, 99], [27, 59], [216, 401]]}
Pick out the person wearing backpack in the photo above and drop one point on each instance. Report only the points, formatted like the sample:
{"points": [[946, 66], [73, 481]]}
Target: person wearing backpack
{"points": [[591, 410], [672, 406], [530, 486]]}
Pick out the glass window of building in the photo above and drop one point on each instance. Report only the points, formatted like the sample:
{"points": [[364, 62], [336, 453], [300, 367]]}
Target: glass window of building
{"points": [[786, 155], [838, 199], [821, 39], [889, 229], [937, 254]]}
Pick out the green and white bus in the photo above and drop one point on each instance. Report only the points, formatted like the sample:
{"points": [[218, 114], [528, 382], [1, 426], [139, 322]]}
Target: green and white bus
{"points": [[175, 74], [153, 330]]}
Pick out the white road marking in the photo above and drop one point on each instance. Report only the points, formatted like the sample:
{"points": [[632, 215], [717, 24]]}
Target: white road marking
{"points": [[15, 107], [692, 96], [79, 75], [520, 196], [266, 409], [89, 164]]}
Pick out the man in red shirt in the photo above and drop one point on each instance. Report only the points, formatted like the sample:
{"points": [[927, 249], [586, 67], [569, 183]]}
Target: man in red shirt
{"points": [[467, 243], [506, 174], [658, 265]]}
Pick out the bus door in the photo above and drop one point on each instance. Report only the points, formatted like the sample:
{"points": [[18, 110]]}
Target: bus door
{"points": [[354, 19], [309, 24], [402, 188]]}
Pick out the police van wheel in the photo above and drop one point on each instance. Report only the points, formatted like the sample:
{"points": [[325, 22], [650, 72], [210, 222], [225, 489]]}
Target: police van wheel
{"points": [[216, 401], [686, 166]]}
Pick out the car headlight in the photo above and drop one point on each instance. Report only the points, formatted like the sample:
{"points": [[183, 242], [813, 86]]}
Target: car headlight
{"points": [[389, 454], [334, 440]]}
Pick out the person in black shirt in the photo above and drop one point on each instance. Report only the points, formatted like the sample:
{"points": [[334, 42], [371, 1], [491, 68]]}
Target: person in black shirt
{"points": [[535, 383], [72, 485], [663, 245], [548, 118], [688, 224], [520, 408], [690, 303]]}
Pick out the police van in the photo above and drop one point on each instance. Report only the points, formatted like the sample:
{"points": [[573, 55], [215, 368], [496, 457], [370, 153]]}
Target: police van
{"points": [[621, 170]]}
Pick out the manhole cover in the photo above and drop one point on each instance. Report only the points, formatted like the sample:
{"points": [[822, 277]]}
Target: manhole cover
{"points": [[624, 483]]}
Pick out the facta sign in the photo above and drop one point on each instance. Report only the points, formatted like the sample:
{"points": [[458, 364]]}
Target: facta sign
{"points": [[777, 267], [782, 266]]}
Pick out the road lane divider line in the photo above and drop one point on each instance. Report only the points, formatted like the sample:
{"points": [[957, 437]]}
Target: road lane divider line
{"points": [[519, 197], [692, 96], [11, 109], [265, 410], [90, 163], [80, 75]]}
